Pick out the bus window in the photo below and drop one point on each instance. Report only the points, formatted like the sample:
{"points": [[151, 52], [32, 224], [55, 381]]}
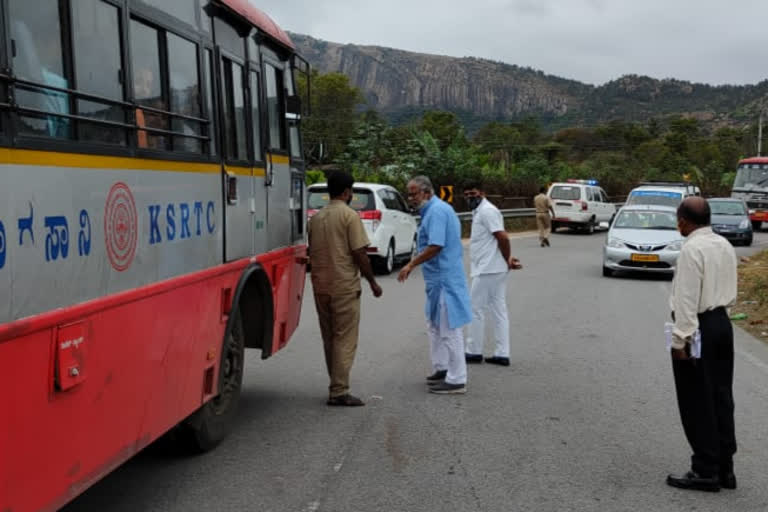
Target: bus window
{"points": [[36, 37], [234, 110], [98, 66], [255, 116], [275, 107], [185, 11], [293, 123], [184, 92], [209, 95], [147, 85]]}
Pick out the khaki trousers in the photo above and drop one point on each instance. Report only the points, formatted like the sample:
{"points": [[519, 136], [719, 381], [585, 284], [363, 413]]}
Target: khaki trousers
{"points": [[339, 318], [544, 223]]}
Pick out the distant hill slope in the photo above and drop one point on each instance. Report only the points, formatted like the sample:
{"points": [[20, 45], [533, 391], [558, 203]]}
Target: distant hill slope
{"points": [[402, 84]]}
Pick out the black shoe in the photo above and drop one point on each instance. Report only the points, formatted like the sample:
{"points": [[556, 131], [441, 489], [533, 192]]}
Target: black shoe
{"points": [[445, 388], [345, 401], [695, 482], [438, 376], [501, 361], [473, 358], [728, 481]]}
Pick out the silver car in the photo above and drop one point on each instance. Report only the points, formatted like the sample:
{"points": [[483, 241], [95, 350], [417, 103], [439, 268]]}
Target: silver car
{"points": [[642, 238]]}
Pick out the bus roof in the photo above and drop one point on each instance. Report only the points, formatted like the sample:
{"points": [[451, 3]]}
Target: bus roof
{"points": [[754, 160], [259, 19]]}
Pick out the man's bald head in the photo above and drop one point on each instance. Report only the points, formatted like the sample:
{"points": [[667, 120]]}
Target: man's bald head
{"points": [[695, 210]]}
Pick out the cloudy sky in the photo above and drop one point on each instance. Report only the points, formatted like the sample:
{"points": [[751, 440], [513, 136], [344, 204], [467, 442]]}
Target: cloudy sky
{"points": [[711, 41]]}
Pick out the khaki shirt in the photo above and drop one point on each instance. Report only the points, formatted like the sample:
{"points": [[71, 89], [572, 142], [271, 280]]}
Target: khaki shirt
{"points": [[334, 233], [542, 202]]}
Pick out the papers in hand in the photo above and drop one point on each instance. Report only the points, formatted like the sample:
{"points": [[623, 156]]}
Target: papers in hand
{"points": [[669, 327]]}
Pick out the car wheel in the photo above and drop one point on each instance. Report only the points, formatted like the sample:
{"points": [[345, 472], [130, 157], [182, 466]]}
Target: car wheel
{"points": [[386, 265], [555, 226], [607, 272], [748, 242], [756, 225], [591, 226]]}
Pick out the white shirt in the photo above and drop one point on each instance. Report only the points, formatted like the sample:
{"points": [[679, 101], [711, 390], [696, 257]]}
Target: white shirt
{"points": [[484, 252], [705, 279]]}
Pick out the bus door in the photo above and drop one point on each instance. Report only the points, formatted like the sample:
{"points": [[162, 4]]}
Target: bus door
{"points": [[241, 204], [278, 171]]}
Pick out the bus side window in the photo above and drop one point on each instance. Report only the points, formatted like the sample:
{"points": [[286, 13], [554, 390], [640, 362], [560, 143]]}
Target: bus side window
{"points": [[38, 57], [98, 61], [256, 115], [184, 92], [294, 139], [147, 85], [209, 95], [234, 110], [275, 107]]}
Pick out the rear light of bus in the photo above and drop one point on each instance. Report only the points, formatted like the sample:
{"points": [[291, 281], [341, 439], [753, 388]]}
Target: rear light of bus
{"points": [[374, 216]]}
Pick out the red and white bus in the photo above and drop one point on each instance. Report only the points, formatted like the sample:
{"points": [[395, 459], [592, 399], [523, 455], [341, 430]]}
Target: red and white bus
{"points": [[152, 227], [751, 185]]}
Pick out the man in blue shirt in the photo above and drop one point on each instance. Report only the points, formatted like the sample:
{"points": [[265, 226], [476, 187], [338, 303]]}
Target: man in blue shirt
{"points": [[448, 307]]}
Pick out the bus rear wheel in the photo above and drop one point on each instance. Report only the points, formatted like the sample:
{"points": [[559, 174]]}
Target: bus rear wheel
{"points": [[210, 424]]}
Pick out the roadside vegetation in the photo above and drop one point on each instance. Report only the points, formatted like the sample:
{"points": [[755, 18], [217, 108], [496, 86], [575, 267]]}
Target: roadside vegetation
{"points": [[513, 158], [753, 296]]}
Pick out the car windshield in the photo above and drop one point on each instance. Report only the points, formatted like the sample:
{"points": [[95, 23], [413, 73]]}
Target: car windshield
{"points": [[566, 193], [727, 208], [646, 220], [361, 199], [750, 176], [655, 198]]}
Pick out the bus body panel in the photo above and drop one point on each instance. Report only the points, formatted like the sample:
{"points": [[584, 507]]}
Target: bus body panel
{"points": [[147, 354]]}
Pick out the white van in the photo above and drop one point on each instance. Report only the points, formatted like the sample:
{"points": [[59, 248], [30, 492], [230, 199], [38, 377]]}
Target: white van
{"points": [[580, 204], [662, 193]]}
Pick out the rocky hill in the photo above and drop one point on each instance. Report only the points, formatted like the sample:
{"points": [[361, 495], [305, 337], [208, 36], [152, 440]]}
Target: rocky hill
{"points": [[402, 84]]}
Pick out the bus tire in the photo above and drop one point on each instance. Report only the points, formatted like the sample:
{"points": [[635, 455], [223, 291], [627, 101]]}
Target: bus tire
{"points": [[210, 424]]}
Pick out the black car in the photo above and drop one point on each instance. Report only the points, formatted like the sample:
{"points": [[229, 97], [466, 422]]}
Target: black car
{"points": [[730, 219]]}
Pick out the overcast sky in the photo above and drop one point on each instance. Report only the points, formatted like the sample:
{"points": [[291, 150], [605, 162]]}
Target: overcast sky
{"points": [[711, 41]]}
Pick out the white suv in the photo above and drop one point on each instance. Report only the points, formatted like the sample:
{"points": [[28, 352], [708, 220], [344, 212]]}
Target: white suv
{"points": [[390, 226], [580, 204]]}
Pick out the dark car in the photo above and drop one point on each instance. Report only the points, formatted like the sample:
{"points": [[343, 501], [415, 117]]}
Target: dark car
{"points": [[730, 219]]}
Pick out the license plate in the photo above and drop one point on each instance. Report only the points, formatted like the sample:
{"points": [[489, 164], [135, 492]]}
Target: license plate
{"points": [[646, 258]]}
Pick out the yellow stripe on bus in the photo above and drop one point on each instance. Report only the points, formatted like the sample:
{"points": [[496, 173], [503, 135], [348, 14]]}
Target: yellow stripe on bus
{"points": [[55, 159]]}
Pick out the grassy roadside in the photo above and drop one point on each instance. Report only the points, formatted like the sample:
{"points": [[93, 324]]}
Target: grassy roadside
{"points": [[753, 296]]}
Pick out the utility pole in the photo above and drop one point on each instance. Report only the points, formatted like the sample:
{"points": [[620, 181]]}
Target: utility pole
{"points": [[760, 135]]}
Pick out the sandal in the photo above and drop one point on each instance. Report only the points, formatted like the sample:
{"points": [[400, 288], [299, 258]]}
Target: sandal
{"points": [[345, 401]]}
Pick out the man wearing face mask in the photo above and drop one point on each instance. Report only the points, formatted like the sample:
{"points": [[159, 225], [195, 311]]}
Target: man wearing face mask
{"points": [[337, 245], [447, 307], [490, 260]]}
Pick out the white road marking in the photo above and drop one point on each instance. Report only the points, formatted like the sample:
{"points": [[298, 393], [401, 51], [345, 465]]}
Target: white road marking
{"points": [[313, 507]]}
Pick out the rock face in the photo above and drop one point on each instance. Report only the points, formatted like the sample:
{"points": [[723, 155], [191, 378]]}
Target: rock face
{"points": [[396, 81]]}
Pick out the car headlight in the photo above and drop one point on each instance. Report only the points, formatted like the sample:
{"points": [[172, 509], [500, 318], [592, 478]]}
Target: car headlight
{"points": [[744, 224], [615, 243], [675, 246]]}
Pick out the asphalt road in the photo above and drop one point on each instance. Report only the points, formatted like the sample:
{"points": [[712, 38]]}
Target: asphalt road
{"points": [[585, 419]]}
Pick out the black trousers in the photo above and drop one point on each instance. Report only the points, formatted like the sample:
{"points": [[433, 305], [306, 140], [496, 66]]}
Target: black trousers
{"points": [[705, 396]]}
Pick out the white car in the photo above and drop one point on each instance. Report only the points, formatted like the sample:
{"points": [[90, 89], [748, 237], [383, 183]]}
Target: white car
{"points": [[662, 193], [580, 204], [387, 219]]}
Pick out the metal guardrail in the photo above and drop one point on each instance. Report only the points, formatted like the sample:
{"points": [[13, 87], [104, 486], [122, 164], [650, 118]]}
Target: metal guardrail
{"points": [[511, 213]]}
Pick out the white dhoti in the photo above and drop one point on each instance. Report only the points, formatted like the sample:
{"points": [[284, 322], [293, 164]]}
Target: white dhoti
{"points": [[489, 292], [447, 348]]}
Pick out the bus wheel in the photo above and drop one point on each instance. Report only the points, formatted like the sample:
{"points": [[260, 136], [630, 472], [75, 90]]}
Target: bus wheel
{"points": [[210, 424]]}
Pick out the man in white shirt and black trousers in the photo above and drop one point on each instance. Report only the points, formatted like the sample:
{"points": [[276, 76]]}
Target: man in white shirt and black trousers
{"points": [[704, 286], [490, 260]]}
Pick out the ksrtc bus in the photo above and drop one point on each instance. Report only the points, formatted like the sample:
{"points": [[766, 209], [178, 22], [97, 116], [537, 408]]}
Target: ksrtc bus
{"points": [[152, 226], [751, 185]]}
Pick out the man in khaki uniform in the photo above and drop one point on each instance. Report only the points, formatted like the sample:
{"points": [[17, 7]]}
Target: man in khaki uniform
{"points": [[544, 207], [337, 245]]}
